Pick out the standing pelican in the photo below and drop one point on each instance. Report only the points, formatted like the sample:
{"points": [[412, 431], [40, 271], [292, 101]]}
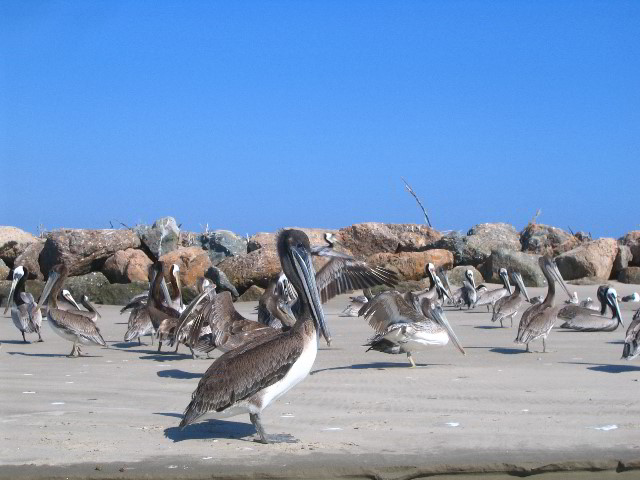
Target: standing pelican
{"points": [[537, 321], [631, 347], [75, 326], [160, 304], [508, 307], [89, 306], [24, 312], [356, 303], [584, 319], [490, 297], [248, 379], [467, 293], [400, 328]]}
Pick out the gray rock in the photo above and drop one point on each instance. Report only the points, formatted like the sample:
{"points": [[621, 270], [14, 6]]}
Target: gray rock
{"points": [[524, 263], [251, 294], [475, 247], [30, 258], [4, 271], [456, 276], [546, 240], [630, 275], [84, 251], [13, 241], [221, 244], [34, 287], [585, 281], [632, 240], [622, 261], [161, 238], [96, 286]]}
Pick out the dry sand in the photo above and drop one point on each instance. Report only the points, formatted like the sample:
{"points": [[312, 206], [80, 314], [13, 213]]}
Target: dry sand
{"points": [[115, 413]]}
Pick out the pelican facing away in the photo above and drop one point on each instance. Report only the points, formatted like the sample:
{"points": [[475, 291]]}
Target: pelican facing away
{"points": [[24, 312], [584, 319], [249, 378], [400, 328], [467, 293], [631, 347], [508, 307], [76, 326], [537, 321]]}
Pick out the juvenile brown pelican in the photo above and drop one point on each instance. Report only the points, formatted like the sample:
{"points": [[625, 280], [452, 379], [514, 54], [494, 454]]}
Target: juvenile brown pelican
{"points": [[634, 297], [222, 282], [89, 306], [490, 297], [584, 319], [67, 302], [537, 321], [159, 303], [631, 347], [248, 379], [327, 249], [467, 293], [401, 329], [271, 303], [24, 312], [508, 307], [75, 326]]}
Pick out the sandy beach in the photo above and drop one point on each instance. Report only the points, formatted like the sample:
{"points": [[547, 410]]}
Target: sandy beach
{"points": [[114, 413]]}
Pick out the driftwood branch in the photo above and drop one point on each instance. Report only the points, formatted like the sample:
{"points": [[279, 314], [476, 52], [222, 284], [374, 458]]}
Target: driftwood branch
{"points": [[410, 190]]}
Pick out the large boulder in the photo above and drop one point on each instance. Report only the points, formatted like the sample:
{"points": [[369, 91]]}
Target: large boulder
{"points": [[256, 268], [34, 287], [221, 244], [622, 261], [366, 239], [268, 239], [630, 275], [411, 265], [83, 251], [591, 259], [30, 258], [96, 286], [546, 240], [456, 276], [161, 238], [193, 263], [632, 240], [412, 237], [251, 294], [524, 263], [475, 247], [126, 266], [14, 241], [5, 271]]}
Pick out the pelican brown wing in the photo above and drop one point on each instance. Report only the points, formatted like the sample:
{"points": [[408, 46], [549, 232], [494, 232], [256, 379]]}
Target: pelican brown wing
{"points": [[343, 274], [387, 309], [631, 347], [76, 323], [239, 374]]}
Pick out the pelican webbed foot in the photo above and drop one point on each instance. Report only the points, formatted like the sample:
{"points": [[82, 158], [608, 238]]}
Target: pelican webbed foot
{"points": [[413, 363]]}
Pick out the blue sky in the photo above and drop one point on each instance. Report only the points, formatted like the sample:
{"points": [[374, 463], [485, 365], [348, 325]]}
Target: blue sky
{"points": [[251, 116]]}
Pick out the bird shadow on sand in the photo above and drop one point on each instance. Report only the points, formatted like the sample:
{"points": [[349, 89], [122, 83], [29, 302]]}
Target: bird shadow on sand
{"points": [[17, 342], [177, 373], [376, 365], [607, 368], [616, 342], [209, 430], [508, 351], [488, 327]]}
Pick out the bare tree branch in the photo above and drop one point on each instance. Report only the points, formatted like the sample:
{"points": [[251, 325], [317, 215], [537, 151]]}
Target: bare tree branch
{"points": [[410, 190]]}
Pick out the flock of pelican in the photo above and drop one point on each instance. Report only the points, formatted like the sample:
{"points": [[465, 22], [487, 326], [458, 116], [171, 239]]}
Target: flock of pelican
{"points": [[263, 359]]}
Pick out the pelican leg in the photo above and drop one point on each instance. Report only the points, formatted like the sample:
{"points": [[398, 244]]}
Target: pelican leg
{"points": [[501, 325], [80, 354], [24, 339], [488, 307], [527, 350], [544, 346], [40, 336], [413, 363], [159, 345], [255, 420], [139, 341], [74, 350]]}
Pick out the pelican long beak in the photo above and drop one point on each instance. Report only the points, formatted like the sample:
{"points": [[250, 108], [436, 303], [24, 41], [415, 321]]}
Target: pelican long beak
{"points": [[441, 288], [518, 279], [13, 287], [556, 273], [445, 281], [438, 314], [505, 280], [67, 295], [89, 306], [616, 310], [53, 278], [165, 291], [302, 262]]}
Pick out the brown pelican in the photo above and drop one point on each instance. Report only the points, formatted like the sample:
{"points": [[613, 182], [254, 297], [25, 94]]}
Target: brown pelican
{"points": [[176, 288], [249, 378], [89, 306], [490, 297], [631, 347], [75, 326], [467, 293], [508, 307], [401, 329], [584, 319], [222, 282], [159, 304], [537, 321], [24, 312], [634, 297], [67, 302]]}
